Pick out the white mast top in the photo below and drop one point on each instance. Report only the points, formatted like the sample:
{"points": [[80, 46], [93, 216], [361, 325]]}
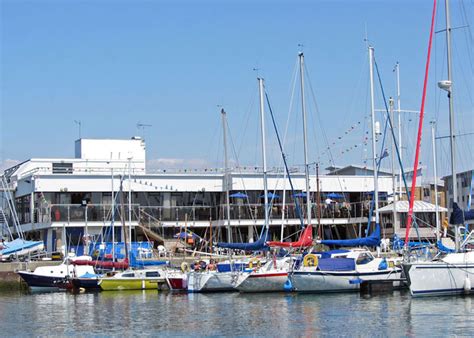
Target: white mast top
{"points": [[264, 153], [305, 141], [374, 148], [226, 174]]}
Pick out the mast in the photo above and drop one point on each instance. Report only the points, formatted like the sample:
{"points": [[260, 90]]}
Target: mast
{"points": [[393, 170], [318, 203], [433, 143], [449, 89], [305, 143], [400, 140], [264, 154], [374, 148], [113, 218], [122, 218], [226, 175], [130, 199], [283, 208]]}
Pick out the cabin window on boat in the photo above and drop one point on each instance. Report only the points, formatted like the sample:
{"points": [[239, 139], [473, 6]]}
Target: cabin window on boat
{"points": [[129, 275], [152, 274], [364, 258]]}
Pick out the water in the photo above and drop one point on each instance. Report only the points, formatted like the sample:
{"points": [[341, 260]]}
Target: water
{"points": [[226, 314]]}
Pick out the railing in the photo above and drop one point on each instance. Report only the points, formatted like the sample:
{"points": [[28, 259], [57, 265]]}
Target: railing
{"points": [[80, 213], [150, 214]]}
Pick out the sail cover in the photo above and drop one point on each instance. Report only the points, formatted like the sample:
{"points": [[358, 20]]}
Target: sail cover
{"points": [[305, 240], [372, 240], [255, 246]]}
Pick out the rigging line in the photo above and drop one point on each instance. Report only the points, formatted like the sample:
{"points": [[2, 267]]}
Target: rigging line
{"points": [[239, 168], [330, 155], [247, 120], [298, 210], [395, 143]]}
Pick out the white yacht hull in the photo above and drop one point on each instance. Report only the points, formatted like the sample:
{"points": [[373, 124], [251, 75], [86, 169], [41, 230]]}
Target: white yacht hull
{"points": [[321, 281], [262, 282], [440, 278], [211, 281]]}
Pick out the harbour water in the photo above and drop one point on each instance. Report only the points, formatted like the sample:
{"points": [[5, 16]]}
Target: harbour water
{"points": [[233, 314]]}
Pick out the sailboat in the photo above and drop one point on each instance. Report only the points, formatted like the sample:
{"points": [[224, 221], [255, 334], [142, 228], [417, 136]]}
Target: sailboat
{"points": [[271, 277], [345, 270], [225, 276], [451, 273]]}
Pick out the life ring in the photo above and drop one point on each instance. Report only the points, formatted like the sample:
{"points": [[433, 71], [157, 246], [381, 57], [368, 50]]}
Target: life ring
{"points": [[185, 267], [255, 262], [310, 260]]}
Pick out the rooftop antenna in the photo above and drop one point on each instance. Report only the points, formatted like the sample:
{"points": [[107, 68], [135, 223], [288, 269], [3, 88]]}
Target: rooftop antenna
{"points": [[79, 124], [142, 126]]}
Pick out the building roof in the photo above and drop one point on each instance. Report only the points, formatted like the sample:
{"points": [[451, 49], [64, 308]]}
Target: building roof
{"points": [[419, 206]]}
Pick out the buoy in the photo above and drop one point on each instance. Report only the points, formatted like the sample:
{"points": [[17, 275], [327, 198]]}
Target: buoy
{"points": [[288, 286], [467, 284]]}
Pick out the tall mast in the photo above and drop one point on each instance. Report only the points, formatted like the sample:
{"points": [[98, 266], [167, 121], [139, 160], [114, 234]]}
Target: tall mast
{"points": [[393, 171], [122, 218], [449, 88], [264, 153], [305, 142], [130, 199], [400, 139], [226, 174], [433, 143], [113, 217], [374, 148], [282, 229]]}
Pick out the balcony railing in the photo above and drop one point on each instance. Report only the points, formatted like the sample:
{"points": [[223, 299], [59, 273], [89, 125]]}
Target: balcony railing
{"points": [[150, 214]]}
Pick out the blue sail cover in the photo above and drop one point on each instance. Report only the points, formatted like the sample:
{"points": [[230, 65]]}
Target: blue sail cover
{"points": [[255, 246], [399, 244], [372, 240]]}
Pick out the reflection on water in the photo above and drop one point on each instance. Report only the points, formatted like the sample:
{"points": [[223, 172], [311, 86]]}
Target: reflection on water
{"points": [[163, 313]]}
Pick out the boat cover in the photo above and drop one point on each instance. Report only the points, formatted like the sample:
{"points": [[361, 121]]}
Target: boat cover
{"points": [[336, 264], [305, 240], [18, 245], [372, 240]]}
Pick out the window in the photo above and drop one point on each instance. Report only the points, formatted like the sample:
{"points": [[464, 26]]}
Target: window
{"points": [[62, 168], [128, 275], [152, 274], [364, 258]]}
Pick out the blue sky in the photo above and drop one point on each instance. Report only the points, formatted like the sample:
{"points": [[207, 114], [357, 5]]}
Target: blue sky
{"points": [[172, 64]]}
